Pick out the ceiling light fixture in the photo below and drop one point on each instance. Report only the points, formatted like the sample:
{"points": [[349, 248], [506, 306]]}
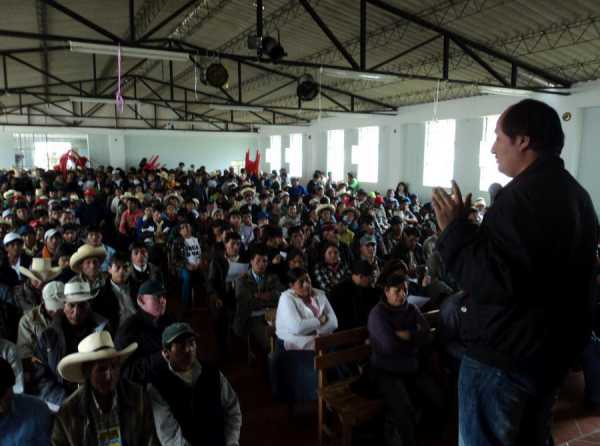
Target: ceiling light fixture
{"points": [[92, 100], [307, 89], [504, 91], [357, 75], [127, 51], [272, 48], [216, 75], [232, 107]]}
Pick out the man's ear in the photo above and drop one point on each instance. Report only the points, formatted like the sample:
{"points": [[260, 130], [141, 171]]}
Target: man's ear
{"points": [[523, 142], [140, 302], [165, 354]]}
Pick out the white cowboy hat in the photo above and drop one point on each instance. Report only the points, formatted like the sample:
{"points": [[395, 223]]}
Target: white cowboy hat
{"points": [[247, 190], [179, 198], [84, 252], [40, 270], [77, 291], [325, 207], [95, 347]]}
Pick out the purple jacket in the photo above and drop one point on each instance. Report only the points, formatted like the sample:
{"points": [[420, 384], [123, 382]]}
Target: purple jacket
{"points": [[389, 352]]}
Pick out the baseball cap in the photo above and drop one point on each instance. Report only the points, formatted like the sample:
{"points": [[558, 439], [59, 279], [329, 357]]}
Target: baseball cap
{"points": [[174, 331], [153, 287], [51, 233], [11, 237], [53, 295], [368, 239]]}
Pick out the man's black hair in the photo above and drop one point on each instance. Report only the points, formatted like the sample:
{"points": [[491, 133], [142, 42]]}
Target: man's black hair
{"points": [[258, 249], [412, 231], [232, 235], [118, 257], [539, 122], [137, 244]]}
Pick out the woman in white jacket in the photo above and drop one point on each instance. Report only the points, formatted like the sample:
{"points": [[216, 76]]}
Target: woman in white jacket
{"points": [[303, 313]]}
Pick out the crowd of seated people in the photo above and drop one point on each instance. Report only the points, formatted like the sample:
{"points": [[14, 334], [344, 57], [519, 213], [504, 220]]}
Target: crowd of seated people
{"points": [[102, 254]]}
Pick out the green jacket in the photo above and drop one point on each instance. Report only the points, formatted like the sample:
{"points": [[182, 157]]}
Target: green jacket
{"points": [[74, 424]]}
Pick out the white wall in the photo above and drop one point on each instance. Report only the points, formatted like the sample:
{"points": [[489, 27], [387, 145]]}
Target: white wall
{"points": [[215, 151], [589, 165], [126, 148], [402, 139]]}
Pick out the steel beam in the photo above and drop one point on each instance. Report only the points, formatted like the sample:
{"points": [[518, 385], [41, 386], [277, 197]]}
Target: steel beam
{"points": [[56, 78], [339, 104], [473, 55], [165, 102], [472, 43], [164, 22], [405, 52], [132, 20], [79, 18], [276, 89], [337, 90], [321, 24], [363, 35]]}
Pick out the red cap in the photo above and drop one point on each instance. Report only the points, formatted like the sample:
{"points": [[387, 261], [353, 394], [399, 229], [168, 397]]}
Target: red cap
{"points": [[90, 192], [378, 200]]}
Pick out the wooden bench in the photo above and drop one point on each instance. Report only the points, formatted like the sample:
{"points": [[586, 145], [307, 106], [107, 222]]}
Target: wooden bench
{"points": [[348, 408]]}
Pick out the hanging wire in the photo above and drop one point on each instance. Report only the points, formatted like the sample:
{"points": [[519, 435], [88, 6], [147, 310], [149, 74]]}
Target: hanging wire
{"points": [[436, 101], [320, 89], [195, 79], [119, 97]]}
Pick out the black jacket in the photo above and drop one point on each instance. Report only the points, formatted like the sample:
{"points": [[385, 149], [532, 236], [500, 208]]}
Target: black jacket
{"points": [[147, 332], [352, 304], [528, 269]]}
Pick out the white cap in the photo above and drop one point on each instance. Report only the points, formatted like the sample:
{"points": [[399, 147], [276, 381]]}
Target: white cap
{"points": [[7, 213], [11, 237], [50, 233], [54, 295]]}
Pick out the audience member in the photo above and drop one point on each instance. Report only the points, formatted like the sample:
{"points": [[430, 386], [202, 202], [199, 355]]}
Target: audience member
{"points": [[105, 409], [193, 402]]}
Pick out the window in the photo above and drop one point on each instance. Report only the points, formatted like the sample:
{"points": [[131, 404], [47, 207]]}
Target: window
{"points": [[237, 165], [293, 155], [438, 162], [335, 154], [366, 154], [44, 151], [488, 168], [274, 153]]}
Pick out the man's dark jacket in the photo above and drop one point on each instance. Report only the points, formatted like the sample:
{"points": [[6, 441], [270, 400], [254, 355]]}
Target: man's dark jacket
{"points": [[528, 269], [352, 304], [147, 332]]}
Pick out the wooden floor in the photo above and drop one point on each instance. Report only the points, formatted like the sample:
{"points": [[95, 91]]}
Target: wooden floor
{"points": [[266, 421]]}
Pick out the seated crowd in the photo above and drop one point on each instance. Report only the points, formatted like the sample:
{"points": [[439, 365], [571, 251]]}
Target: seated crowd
{"points": [[99, 269]]}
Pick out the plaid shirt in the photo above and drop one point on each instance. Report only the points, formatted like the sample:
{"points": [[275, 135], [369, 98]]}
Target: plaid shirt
{"points": [[327, 277]]}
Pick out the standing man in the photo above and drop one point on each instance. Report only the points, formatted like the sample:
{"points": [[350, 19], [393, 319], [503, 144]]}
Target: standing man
{"points": [[528, 269]]}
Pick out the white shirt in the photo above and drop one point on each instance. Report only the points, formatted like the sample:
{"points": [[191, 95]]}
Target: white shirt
{"points": [[296, 324], [192, 250]]}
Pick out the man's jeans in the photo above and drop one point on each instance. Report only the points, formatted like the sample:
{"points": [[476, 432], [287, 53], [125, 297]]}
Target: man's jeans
{"points": [[498, 408]]}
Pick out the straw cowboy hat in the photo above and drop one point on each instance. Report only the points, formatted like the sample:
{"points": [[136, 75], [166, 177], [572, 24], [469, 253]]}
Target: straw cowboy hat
{"points": [[41, 270], [325, 207], [77, 290], [248, 190], [179, 198], [95, 347], [85, 252]]}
